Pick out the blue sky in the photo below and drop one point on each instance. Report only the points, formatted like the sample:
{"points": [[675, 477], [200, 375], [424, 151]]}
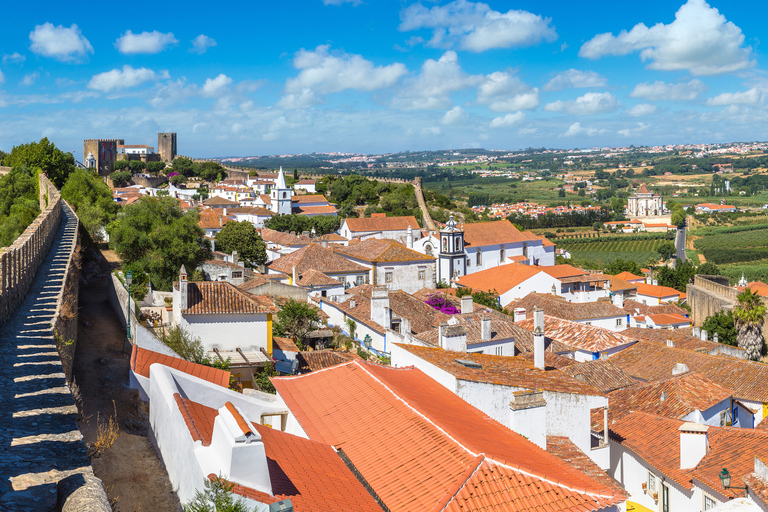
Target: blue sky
{"points": [[383, 76]]}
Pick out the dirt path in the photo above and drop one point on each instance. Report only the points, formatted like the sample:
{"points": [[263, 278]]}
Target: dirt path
{"points": [[702, 259], [133, 476]]}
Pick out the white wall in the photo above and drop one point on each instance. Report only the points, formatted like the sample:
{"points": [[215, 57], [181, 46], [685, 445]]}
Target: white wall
{"points": [[228, 332], [405, 276], [402, 358], [337, 317], [540, 283]]}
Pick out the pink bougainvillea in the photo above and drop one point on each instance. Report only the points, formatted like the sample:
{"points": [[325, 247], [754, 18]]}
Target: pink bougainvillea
{"points": [[441, 303]]}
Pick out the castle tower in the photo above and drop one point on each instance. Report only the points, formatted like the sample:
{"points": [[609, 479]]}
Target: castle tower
{"points": [[281, 196], [451, 260], [105, 153], [166, 146]]}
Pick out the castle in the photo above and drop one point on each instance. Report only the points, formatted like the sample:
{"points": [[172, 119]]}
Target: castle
{"points": [[101, 154]]}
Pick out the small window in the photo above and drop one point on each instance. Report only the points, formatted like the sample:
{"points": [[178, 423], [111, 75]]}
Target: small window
{"points": [[445, 244], [478, 258], [709, 502], [651, 483], [388, 277], [619, 322], [324, 293], [223, 277], [237, 275], [428, 249], [502, 254], [359, 280], [469, 262], [499, 351], [587, 323], [422, 274]]}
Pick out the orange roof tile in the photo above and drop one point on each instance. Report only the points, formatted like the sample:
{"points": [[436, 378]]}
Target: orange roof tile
{"points": [[669, 319], [500, 279], [382, 223], [314, 210], [579, 336], [556, 306], [309, 198], [628, 276], [379, 251], [652, 290], [601, 374], [561, 271], [490, 233], [220, 297], [142, 359], [284, 344], [440, 453], [315, 257]]}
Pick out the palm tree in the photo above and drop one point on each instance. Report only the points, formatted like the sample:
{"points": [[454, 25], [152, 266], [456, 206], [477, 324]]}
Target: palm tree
{"points": [[749, 315]]}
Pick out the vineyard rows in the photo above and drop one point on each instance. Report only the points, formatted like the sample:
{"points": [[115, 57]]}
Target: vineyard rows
{"points": [[614, 246]]}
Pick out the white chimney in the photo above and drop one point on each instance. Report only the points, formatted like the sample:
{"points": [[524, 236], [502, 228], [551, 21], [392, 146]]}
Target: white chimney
{"points": [[409, 238], [679, 368], [655, 282], [380, 312], [519, 314], [485, 328], [466, 304], [538, 338], [240, 449], [352, 303], [694, 444], [670, 343], [294, 276], [704, 334], [696, 331], [454, 338], [618, 300], [528, 416], [324, 243], [225, 212], [235, 259], [648, 280], [716, 338], [183, 288]]}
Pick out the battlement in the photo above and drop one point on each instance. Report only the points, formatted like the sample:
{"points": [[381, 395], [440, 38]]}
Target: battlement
{"points": [[119, 141]]}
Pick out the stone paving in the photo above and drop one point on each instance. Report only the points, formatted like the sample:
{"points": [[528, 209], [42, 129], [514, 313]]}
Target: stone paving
{"points": [[40, 443]]}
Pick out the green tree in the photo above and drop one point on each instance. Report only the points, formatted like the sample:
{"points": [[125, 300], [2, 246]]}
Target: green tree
{"points": [[678, 215], [155, 167], [160, 237], [137, 166], [618, 266], [749, 315], [183, 165], [178, 179], [19, 204], [296, 319], [216, 497], [351, 327], [243, 238], [120, 178], [723, 324], [122, 165], [43, 155], [666, 250], [708, 269], [262, 378], [92, 200], [211, 171]]}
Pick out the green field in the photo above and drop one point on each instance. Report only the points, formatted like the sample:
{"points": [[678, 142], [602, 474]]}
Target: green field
{"points": [[753, 271], [737, 244], [599, 253]]}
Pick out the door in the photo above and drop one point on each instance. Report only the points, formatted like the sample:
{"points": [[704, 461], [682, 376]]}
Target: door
{"points": [[664, 498]]}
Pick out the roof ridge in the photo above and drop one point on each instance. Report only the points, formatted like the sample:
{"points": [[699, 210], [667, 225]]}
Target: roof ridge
{"points": [[450, 495]]}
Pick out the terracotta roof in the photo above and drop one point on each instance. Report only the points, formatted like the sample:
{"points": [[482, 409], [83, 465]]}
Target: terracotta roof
{"points": [[643, 189], [213, 219], [669, 319], [490, 233], [142, 359], [284, 344], [557, 306], [601, 374], [562, 271], [501, 328], [309, 198], [564, 449], [219, 201], [552, 360], [375, 250], [280, 238], [500, 279], [333, 237], [256, 281], [634, 307], [314, 277], [578, 335], [314, 210], [306, 181], [382, 224], [618, 284], [652, 290], [319, 359], [315, 257], [512, 371], [653, 361], [220, 297], [250, 210], [198, 417], [440, 453]]}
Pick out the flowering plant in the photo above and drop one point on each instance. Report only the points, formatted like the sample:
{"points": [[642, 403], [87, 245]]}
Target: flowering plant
{"points": [[441, 303], [172, 174]]}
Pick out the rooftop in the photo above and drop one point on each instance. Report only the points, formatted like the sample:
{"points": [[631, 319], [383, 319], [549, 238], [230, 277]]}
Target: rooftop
{"points": [[142, 359], [219, 201], [280, 238], [579, 336], [652, 290], [221, 297], [634, 307], [499, 279], [380, 251], [315, 257], [601, 374], [309, 198], [382, 224], [557, 306], [319, 359], [491, 233]]}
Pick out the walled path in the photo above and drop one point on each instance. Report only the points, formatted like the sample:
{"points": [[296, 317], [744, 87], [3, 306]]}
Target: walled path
{"points": [[40, 443]]}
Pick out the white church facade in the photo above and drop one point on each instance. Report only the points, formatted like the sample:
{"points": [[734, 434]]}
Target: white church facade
{"points": [[645, 204]]}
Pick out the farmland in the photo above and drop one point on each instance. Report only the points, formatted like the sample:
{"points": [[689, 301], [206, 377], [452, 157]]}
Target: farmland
{"points": [[599, 252], [738, 244]]}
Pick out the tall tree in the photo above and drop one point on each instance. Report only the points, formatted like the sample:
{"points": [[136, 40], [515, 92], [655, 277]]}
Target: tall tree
{"points": [[92, 200], [43, 155], [243, 238], [296, 319], [749, 315]]}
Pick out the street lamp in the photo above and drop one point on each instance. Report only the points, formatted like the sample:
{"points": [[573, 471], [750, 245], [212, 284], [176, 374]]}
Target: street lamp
{"points": [[128, 281], [367, 341], [725, 479]]}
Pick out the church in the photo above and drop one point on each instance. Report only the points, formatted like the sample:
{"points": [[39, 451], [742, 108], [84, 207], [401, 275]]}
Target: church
{"points": [[644, 204]]}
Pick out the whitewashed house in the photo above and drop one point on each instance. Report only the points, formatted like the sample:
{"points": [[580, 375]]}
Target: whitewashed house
{"points": [[598, 314], [380, 226]]}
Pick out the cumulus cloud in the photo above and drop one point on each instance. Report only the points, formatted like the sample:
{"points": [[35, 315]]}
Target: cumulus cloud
{"points": [[476, 27], [575, 79], [752, 97], [14, 58], [576, 130], [324, 73], [508, 120], [431, 130], [215, 86], [503, 92], [643, 109], [629, 132], [201, 43], [59, 42], [454, 116], [590, 103], [663, 91], [432, 88], [146, 42], [30, 79], [123, 78], [700, 40]]}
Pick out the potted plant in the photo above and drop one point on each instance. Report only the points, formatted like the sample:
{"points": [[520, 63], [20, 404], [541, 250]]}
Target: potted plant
{"points": [[645, 487], [656, 497], [169, 303]]}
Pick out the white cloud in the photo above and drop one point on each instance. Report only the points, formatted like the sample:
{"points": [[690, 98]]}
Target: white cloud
{"points": [[508, 120], [700, 40], [432, 88], [123, 78], [503, 92], [341, 2], [215, 86], [30, 79], [324, 73], [590, 103], [2, 77], [752, 97], [476, 27], [643, 109], [674, 92], [146, 42], [14, 58], [454, 116], [629, 132], [576, 130], [61, 43], [431, 130], [201, 43], [575, 79]]}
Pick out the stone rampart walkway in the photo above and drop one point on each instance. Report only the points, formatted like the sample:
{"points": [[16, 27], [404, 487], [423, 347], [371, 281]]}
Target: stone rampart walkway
{"points": [[40, 443]]}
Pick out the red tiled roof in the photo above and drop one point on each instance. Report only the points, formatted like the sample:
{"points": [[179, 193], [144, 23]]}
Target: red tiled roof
{"points": [[280, 238], [314, 210], [651, 290], [669, 319], [284, 344], [579, 336], [681, 338], [213, 219], [601, 374], [314, 277], [219, 201], [500, 279], [561, 271], [379, 251], [315, 257], [382, 223], [142, 359], [319, 359], [309, 198], [634, 307], [618, 284], [198, 417], [490, 233], [439, 453], [220, 297], [557, 306], [564, 449]]}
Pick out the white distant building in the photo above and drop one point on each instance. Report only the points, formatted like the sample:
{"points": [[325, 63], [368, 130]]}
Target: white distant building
{"points": [[644, 203]]}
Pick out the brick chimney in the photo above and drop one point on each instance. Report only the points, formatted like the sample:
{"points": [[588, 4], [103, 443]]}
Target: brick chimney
{"points": [[538, 338], [528, 416], [485, 328], [694, 444], [519, 314], [467, 305]]}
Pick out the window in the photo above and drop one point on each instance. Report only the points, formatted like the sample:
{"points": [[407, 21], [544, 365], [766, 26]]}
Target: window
{"points": [[469, 262], [725, 418], [651, 483], [458, 244], [499, 351], [237, 275], [445, 244], [709, 502], [359, 280], [478, 258], [422, 275], [619, 322], [223, 277], [388, 277], [428, 249], [502, 254], [587, 323], [324, 293]]}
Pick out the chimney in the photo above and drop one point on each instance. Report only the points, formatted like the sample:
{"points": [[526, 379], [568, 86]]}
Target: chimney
{"points": [[440, 330], [183, 288], [519, 314], [485, 328], [694, 444], [538, 338], [409, 238], [618, 300], [679, 368], [716, 338], [655, 282], [704, 334], [648, 280], [324, 243], [528, 416], [225, 212], [221, 221], [454, 338], [294, 276], [234, 258], [466, 304], [670, 343], [696, 331], [380, 312], [240, 449], [213, 244], [352, 303]]}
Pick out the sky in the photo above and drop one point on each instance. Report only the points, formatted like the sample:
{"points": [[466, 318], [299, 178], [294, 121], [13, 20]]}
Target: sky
{"points": [[377, 76]]}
